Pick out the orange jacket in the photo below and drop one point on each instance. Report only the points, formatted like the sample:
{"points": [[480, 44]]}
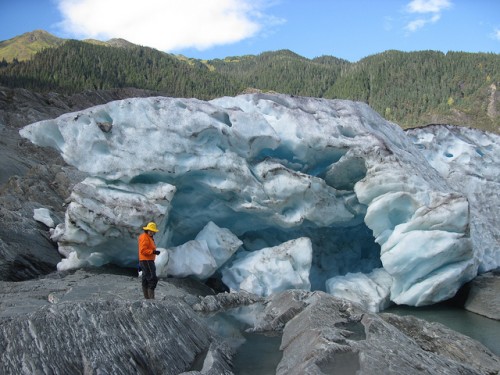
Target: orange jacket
{"points": [[146, 247]]}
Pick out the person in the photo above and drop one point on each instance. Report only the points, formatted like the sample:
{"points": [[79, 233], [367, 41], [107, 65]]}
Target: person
{"points": [[147, 256]]}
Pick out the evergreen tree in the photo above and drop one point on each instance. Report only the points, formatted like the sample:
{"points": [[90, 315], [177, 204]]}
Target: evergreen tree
{"points": [[409, 88]]}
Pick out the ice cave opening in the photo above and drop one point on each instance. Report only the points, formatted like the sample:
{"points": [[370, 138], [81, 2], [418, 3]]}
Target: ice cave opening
{"points": [[337, 249]]}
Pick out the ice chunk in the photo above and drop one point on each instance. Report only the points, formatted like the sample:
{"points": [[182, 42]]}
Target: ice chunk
{"points": [[271, 270], [221, 242], [190, 259], [43, 215], [200, 258], [73, 261], [371, 290]]}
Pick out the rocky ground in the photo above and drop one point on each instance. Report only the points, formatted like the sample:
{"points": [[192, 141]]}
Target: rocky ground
{"points": [[97, 322]]}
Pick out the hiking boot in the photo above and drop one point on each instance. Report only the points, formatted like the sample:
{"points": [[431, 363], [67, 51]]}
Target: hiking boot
{"points": [[145, 291], [151, 293]]}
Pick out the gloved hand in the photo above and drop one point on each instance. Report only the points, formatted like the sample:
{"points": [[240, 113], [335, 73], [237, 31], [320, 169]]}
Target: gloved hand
{"points": [[156, 252]]}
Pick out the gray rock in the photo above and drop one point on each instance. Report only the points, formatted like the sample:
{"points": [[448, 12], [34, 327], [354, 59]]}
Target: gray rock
{"points": [[282, 307], [224, 301], [437, 338], [329, 336], [26, 250], [109, 337], [98, 323], [484, 295]]}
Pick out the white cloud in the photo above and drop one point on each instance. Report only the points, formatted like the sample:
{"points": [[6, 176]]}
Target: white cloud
{"points": [[496, 34], [428, 6], [434, 7], [421, 22], [165, 24], [416, 24]]}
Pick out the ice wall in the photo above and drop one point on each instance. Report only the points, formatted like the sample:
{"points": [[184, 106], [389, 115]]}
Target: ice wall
{"points": [[469, 160], [269, 169]]}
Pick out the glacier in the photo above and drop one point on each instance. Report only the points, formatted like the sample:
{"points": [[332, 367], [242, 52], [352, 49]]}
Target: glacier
{"points": [[269, 192]]}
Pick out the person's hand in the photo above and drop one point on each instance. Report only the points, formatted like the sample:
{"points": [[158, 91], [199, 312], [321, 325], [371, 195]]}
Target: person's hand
{"points": [[156, 252]]}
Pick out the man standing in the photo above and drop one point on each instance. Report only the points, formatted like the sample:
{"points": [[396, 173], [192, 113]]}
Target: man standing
{"points": [[147, 256]]}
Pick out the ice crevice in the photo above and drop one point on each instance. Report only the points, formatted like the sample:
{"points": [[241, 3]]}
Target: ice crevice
{"points": [[267, 193]]}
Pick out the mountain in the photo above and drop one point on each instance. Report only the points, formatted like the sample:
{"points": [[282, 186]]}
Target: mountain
{"points": [[25, 46], [115, 42], [426, 87], [76, 66], [283, 71], [409, 88]]}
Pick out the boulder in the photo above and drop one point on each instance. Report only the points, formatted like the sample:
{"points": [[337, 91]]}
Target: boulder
{"points": [[484, 295]]}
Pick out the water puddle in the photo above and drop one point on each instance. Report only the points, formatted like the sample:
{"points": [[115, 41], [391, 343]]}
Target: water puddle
{"points": [[255, 352], [342, 363], [259, 354]]}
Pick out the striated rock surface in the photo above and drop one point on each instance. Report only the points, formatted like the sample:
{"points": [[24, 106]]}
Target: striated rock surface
{"points": [[104, 337], [97, 322], [437, 339]]}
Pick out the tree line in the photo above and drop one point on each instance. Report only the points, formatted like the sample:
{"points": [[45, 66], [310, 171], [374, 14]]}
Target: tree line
{"points": [[409, 88], [420, 87], [77, 66]]}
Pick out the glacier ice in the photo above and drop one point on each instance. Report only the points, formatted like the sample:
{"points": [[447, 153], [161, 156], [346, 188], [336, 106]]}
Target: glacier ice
{"points": [[221, 242], [469, 160], [272, 269], [201, 257], [102, 218], [371, 290], [236, 180], [43, 215]]}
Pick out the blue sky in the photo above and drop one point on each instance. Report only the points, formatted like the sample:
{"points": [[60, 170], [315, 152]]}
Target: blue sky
{"points": [[207, 29]]}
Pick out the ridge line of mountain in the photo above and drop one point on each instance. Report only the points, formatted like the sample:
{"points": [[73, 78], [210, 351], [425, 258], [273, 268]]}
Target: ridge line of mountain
{"points": [[409, 88]]}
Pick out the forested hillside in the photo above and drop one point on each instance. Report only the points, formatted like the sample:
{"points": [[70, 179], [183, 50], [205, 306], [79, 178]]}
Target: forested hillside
{"points": [[77, 66], [409, 88], [283, 71], [426, 87]]}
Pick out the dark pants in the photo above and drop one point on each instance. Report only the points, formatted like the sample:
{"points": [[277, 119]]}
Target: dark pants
{"points": [[149, 279]]}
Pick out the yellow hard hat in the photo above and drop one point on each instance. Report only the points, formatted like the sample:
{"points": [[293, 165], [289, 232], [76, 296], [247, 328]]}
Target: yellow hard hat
{"points": [[151, 226]]}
